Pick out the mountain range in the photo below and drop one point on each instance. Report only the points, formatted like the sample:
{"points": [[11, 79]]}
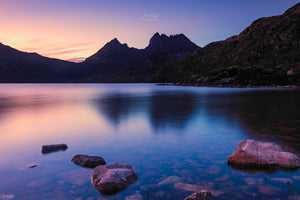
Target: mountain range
{"points": [[265, 53], [114, 57]]}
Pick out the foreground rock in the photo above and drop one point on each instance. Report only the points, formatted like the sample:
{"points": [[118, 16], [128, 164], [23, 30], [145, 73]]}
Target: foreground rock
{"points": [[53, 147], [88, 161], [114, 177], [201, 195], [257, 154]]}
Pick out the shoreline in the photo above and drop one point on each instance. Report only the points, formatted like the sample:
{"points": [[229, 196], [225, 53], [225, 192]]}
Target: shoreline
{"points": [[232, 86]]}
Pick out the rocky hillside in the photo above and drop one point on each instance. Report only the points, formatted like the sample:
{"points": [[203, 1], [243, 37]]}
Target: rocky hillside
{"points": [[265, 53]]}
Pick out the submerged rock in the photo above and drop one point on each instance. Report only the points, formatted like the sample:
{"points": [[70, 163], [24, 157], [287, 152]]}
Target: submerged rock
{"points": [[201, 195], [53, 147], [113, 177], [170, 180], [136, 196], [283, 180], [195, 188], [88, 161], [257, 154]]}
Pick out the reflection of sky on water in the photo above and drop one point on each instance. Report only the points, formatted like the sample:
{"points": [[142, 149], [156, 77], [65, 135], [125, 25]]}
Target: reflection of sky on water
{"points": [[160, 130]]}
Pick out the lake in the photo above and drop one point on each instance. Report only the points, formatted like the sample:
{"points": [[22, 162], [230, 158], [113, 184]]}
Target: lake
{"points": [[161, 131]]}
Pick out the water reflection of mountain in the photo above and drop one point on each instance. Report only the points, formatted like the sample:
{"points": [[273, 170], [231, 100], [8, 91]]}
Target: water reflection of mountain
{"points": [[172, 109], [272, 115], [265, 114], [162, 108]]}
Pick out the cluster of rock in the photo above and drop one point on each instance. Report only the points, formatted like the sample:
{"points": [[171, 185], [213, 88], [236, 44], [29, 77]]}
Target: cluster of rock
{"points": [[108, 179], [250, 154]]}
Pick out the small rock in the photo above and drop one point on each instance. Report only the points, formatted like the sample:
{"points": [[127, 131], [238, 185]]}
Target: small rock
{"points": [[53, 147], [257, 154], [170, 180], [113, 177], [283, 180], [88, 161], [201, 195], [32, 166]]}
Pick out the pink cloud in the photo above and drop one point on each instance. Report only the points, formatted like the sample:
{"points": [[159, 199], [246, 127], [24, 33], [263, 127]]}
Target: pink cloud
{"points": [[76, 60], [64, 52]]}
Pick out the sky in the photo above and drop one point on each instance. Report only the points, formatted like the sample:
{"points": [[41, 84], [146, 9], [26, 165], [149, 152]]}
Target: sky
{"points": [[76, 29]]}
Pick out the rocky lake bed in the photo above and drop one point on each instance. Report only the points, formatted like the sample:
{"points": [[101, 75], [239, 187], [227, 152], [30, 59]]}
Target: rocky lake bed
{"points": [[177, 140]]}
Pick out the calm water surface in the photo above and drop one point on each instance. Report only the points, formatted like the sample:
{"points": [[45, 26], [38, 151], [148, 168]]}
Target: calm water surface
{"points": [[161, 131]]}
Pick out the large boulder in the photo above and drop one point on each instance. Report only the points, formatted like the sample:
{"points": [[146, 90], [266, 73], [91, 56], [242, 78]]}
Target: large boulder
{"points": [[114, 177], [53, 147], [258, 154], [88, 161]]}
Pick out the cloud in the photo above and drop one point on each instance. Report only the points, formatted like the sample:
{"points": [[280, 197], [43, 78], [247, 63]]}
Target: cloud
{"points": [[76, 60], [43, 45], [63, 52]]}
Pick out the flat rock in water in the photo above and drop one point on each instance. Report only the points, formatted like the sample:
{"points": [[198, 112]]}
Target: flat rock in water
{"points": [[201, 195], [136, 196], [114, 177], [170, 180], [76, 177], [257, 154], [53, 147], [195, 188], [88, 161]]}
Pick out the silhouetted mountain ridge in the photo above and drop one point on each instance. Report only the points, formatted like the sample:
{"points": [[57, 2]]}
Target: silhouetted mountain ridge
{"points": [[115, 57]]}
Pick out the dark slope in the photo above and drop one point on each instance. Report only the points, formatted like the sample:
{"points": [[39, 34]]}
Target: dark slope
{"points": [[18, 66], [265, 53]]}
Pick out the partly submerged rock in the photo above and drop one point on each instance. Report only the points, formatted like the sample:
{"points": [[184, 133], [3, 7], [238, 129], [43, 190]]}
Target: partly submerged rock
{"points": [[113, 177], [53, 147], [201, 195], [258, 154], [88, 161]]}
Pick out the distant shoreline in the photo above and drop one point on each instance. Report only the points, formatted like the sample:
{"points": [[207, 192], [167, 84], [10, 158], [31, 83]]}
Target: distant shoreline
{"points": [[232, 86]]}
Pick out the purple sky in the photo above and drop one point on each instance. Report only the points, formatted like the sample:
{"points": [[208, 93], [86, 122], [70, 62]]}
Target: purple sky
{"points": [[75, 29]]}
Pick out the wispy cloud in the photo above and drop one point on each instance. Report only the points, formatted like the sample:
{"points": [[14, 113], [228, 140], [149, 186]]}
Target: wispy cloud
{"points": [[76, 60], [63, 52]]}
